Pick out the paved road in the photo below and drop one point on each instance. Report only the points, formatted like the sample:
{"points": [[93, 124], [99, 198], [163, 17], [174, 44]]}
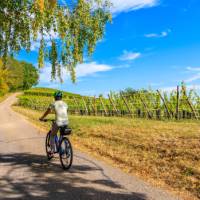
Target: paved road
{"points": [[25, 172]]}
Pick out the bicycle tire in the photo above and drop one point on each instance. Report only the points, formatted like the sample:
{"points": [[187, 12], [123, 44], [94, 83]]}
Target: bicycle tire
{"points": [[68, 152], [47, 145]]}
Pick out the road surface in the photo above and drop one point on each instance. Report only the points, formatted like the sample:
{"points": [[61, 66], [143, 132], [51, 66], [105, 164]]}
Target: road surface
{"points": [[25, 172]]}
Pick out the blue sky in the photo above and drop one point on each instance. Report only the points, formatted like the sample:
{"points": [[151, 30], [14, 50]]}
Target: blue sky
{"points": [[151, 43]]}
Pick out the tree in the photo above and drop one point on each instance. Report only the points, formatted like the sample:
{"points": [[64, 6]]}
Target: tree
{"points": [[130, 91], [17, 76], [73, 28], [30, 77], [3, 77]]}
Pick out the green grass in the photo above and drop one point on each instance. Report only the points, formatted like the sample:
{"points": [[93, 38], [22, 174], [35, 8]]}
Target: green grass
{"points": [[166, 154]]}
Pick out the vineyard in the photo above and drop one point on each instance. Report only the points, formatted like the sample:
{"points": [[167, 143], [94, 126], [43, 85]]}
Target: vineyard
{"points": [[178, 104]]}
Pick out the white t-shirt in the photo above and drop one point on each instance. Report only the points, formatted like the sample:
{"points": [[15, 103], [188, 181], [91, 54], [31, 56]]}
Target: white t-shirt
{"points": [[60, 108]]}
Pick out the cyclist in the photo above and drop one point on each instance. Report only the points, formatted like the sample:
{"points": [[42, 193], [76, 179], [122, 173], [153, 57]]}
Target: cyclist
{"points": [[59, 107]]}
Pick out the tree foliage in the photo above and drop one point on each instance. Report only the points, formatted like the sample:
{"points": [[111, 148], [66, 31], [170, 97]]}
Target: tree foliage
{"points": [[17, 76], [73, 28], [30, 75]]}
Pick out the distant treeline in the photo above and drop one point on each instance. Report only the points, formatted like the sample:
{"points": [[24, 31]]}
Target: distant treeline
{"points": [[17, 75]]}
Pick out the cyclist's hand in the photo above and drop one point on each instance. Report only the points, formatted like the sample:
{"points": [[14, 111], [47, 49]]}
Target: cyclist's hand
{"points": [[41, 119]]}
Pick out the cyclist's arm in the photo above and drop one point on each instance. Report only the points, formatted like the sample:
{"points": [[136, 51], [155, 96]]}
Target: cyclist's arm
{"points": [[48, 111]]}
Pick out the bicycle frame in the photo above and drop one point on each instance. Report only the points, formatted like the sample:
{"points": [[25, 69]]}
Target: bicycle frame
{"points": [[57, 140]]}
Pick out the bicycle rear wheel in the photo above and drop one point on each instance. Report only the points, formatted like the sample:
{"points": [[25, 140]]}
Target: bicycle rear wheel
{"points": [[66, 153], [48, 147]]}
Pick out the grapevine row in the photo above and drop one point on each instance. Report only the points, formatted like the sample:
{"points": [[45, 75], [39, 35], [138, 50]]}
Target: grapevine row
{"points": [[178, 104]]}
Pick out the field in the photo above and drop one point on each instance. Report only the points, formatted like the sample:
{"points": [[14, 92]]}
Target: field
{"points": [[164, 153]]}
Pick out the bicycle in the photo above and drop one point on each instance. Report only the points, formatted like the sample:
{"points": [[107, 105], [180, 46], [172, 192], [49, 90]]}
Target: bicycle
{"points": [[62, 144]]}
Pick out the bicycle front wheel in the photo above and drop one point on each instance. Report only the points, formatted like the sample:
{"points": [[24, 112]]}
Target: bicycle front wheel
{"points": [[66, 153], [48, 146]]}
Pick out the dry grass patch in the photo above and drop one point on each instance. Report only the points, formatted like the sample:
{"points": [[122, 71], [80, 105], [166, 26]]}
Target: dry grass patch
{"points": [[2, 98], [164, 153]]}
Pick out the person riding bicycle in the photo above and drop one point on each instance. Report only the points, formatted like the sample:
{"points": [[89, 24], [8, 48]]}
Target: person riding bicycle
{"points": [[60, 109]]}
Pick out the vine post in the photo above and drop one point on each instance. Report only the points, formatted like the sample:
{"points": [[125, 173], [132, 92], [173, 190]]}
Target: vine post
{"points": [[177, 103], [166, 108]]}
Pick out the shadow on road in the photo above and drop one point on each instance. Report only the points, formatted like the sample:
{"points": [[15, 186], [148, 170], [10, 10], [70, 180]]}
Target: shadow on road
{"points": [[28, 176]]}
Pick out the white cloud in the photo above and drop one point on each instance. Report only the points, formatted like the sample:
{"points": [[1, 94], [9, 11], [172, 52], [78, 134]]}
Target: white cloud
{"points": [[91, 68], [88, 92], [45, 73], [173, 88], [194, 87], [193, 78], [196, 76], [128, 56], [193, 69], [35, 45], [168, 89], [158, 35], [82, 70], [129, 5]]}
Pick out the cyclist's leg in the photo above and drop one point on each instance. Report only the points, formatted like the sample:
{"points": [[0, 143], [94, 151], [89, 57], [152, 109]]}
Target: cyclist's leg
{"points": [[54, 131]]}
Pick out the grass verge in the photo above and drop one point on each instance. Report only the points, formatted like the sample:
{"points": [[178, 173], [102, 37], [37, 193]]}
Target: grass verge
{"points": [[166, 154], [4, 97]]}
